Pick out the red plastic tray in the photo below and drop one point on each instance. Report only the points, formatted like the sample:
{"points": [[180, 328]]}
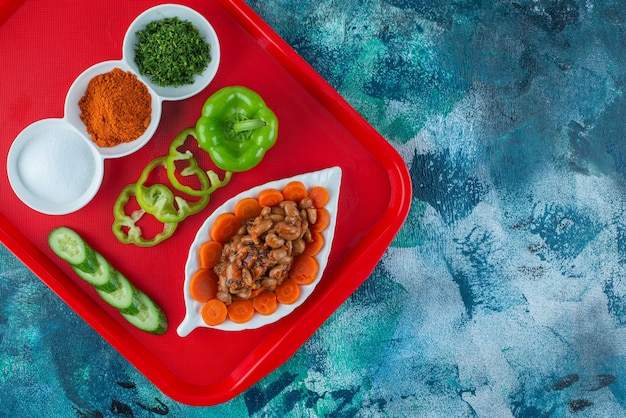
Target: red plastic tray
{"points": [[45, 45]]}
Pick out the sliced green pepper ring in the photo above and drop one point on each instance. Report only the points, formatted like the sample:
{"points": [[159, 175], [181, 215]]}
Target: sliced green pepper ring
{"points": [[193, 168], [134, 233], [158, 200]]}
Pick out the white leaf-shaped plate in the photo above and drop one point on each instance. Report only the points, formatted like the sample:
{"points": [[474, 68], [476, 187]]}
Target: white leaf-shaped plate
{"points": [[329, 178]]}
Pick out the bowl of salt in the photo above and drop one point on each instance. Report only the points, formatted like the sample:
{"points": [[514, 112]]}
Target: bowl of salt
{"points": [[53, 169]]}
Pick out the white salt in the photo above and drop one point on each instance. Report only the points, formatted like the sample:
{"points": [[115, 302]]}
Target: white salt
{"points": [[56, 165]]}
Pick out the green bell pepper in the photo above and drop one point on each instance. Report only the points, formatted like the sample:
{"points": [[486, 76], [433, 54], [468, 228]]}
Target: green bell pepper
{"points": [[125, 226], [158, 200], [208, 186], [236, 128]]}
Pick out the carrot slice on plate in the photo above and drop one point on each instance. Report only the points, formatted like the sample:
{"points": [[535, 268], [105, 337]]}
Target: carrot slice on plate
{"points": [[322, 221], [294, 190], [209, 254], [316, 244], [270, 197], [224, 227], [241, 311], [304, 269], [247, 208], [203, 285], [288, 292], [265, 303], [214, 312], [319, 195]]}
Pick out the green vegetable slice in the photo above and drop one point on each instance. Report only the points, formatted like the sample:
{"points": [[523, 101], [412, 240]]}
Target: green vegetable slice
{"points": [[210, 181], [150, 317], [104, 278], [124, 298], [68, 245], [158, 200], [112, 286], [125, 226]]}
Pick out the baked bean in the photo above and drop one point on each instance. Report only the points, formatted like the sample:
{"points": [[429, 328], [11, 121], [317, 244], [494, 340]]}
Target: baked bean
{"points": [[269, 284], [262, 252], [274, 241], [278, 210], [245, 293], [311, 214], [306, 203], [224, 297], [246, 275], [287, 231], [277, 217], [298, 247], [262, 226]]}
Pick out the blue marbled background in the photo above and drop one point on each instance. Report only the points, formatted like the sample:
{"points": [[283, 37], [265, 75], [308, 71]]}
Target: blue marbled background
{"points": [[503, 294]]}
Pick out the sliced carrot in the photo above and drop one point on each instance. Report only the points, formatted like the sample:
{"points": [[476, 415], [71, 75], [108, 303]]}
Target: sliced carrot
{"points": [[203, 285], [288, 292], [247, 208], [270, 197], [319, 195], [224, 227], [294, 190], [304, 269], [209, 254], [265, 303], [314, 247], [322, 221], [214, 312], [241, 311]]}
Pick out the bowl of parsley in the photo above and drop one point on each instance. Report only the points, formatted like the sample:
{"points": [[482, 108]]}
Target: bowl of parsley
{"points": [[174, 49]]}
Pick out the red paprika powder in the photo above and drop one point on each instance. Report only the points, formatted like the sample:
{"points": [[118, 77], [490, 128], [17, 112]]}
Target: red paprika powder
{"points": [[116, 108]]}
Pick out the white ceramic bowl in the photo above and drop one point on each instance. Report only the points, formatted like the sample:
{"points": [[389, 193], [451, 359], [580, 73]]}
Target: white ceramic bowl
{"points": [[329, 178], [69, 187], [50, 185], [53, 165], [72, 110], [204, 28]]}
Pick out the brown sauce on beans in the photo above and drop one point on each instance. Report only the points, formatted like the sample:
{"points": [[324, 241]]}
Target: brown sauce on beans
{"points": [[258, 257]]}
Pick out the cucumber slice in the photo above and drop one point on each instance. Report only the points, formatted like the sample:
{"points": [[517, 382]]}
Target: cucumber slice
{"points": [[124, 298], [68, 245], [115, 289], [150, 318], [104, 278]]}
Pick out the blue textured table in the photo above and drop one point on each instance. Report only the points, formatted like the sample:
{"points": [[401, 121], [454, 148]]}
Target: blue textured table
{"points": [[504, 294]]}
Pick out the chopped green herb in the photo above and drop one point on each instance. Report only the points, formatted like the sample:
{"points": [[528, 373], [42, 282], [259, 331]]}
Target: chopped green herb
{"points": [[171, 52]]}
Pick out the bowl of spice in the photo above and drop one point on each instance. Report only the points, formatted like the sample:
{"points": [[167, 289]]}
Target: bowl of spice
{"points": [[109, 104], [173, 49]]}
